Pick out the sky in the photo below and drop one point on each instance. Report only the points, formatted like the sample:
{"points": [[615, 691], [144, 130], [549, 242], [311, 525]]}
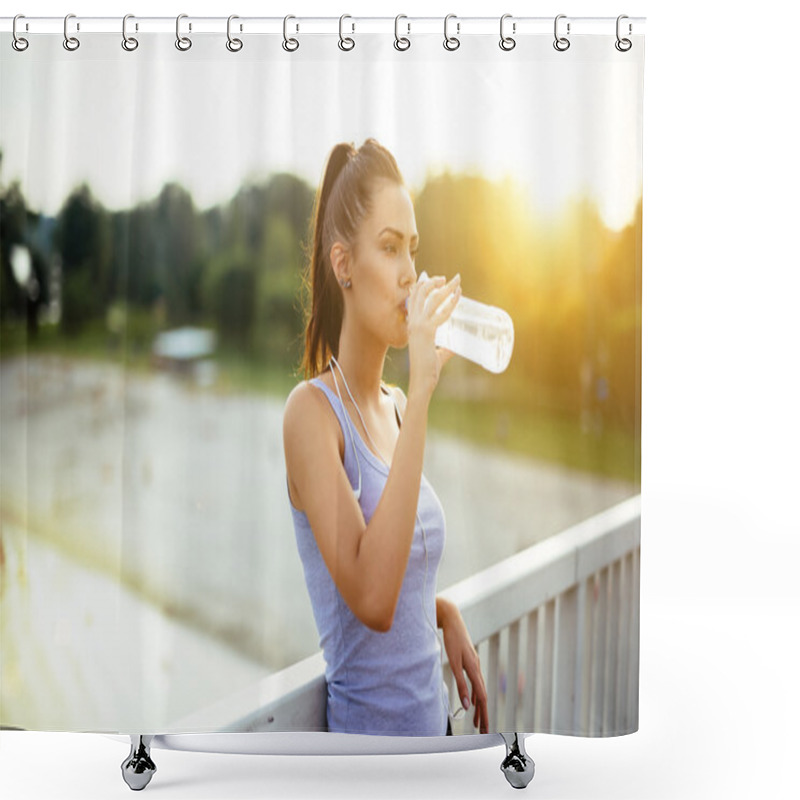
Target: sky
{"points": [[562, 124]]}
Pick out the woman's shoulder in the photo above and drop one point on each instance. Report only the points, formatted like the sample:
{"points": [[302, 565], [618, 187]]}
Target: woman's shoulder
{"points": [[310, 431], [305, 398], [308, 413]]}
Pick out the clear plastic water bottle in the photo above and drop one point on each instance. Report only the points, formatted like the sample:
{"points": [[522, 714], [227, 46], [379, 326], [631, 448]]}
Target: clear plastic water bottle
{"points": [[482, 333]]}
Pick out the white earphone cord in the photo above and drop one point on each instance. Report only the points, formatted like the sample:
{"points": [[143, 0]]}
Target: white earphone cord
{"points": [[459, 711]]}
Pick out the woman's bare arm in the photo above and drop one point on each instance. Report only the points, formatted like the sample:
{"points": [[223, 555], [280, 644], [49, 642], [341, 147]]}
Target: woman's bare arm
{"points": [[367, 562]]}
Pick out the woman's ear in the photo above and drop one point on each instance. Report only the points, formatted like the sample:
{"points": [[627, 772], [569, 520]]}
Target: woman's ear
{"points": [[339, 262]]}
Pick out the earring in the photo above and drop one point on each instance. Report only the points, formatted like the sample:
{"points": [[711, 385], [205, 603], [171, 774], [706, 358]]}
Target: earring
{"points": [[346, 284]]}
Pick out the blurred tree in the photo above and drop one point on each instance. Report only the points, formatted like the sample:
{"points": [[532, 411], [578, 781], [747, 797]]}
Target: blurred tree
{"points": [[13, 216], [278, 325], [228, 291], [83, 236], [175, 245]]}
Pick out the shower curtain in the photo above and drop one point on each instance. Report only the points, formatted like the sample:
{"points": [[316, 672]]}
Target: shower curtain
{"points": [[158, 189]]}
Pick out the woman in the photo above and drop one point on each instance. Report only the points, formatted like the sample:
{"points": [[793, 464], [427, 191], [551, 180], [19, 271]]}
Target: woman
{"points": [[369, 527]]}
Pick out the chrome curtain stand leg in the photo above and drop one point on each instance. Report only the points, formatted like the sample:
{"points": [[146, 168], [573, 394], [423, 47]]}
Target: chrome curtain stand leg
{"points": [[518, 766], [138, 768]]}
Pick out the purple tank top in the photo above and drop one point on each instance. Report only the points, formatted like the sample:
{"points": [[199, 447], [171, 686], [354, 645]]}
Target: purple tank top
{"points": [[379, 683]]}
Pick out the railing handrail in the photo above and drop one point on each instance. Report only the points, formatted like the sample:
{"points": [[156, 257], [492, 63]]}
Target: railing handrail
{"points": [[504, 592], [295, 698]]}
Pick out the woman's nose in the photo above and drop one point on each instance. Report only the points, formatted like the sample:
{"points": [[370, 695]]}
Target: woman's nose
{"points": [[410, 274]]}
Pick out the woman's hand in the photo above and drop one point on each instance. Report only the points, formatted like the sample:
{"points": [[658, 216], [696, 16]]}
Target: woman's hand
{"points": [[463, 658], [430, 304]]}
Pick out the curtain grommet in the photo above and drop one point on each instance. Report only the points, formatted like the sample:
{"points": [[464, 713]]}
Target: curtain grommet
{"points": [[451, 42], [71, 43], [507, 42], [129, 43], [561, 43], [623, 45], [17, 40], [183, 43], [234, 45], [289, 44], [401, 43], [345, 42]]}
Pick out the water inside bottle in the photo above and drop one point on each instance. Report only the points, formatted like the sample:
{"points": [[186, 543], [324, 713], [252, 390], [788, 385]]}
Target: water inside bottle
{"points": [[481, 333]]}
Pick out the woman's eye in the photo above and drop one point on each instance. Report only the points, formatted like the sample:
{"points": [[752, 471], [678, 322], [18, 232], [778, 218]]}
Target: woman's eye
{"points": [[393, 249]]}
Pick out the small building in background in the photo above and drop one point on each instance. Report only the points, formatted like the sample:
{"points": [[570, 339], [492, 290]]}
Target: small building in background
{"points": [[187, 352]]}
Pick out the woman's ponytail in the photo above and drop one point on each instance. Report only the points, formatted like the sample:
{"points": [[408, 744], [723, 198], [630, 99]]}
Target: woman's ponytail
{"points": [[343, 200]]}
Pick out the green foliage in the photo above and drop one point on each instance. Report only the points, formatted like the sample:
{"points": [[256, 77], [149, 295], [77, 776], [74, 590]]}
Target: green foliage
{"points": [[571, 285]]}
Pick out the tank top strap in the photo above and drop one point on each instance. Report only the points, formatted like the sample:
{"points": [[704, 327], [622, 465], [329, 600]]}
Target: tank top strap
{"points": [[388, 391], [338, 405], [333, 398], [350, 445]]}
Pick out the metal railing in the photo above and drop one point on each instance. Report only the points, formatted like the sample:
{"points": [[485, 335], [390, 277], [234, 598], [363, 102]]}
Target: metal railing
{"points": [[557, 632]]}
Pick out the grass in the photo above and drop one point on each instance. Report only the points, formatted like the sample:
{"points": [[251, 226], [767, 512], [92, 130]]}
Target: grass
{"points": [[511, 428], [541, 435]]}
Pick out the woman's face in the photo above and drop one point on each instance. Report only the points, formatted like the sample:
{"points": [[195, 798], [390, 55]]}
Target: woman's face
{"points": [[383, 270]]}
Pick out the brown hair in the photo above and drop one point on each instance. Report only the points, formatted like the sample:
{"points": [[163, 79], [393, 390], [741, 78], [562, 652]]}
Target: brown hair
{"points": [[343, 199]]}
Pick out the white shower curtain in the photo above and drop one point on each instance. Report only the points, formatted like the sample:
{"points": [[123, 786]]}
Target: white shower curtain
{"points": [[157, 223]]}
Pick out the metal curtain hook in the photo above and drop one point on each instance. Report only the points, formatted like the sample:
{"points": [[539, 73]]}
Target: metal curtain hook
{"points": [[182, 42], [70, 42], [345, 43], [18, 42], [506, 42], [561, 43], [401, 43], [451, 42], [623, 45], [292, 44], [129, 43], [234, 45]]}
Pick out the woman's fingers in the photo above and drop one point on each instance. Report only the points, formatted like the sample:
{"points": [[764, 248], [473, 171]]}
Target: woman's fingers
{"points": [[446, 307], [483, 705], [480, 699], [463, 691], [426, 288], [442, 301], [421, 292], [437, 288], [437, 297], [480, 704], [442, 290]]}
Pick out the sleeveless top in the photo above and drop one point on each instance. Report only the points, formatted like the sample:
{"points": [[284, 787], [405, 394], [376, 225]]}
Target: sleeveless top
{"points": [[379, 683]]}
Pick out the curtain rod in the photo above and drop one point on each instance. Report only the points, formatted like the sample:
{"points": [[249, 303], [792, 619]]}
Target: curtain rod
{"points": [[518, 26]]}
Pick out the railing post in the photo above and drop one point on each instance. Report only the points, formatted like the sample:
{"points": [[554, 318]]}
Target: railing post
{"points": [[544, 686], [531, 673], [564, 671], [633, 676], [586, 654], [599, 588], [493, 682], [612, 650], [623, 660], [512, 679]]}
